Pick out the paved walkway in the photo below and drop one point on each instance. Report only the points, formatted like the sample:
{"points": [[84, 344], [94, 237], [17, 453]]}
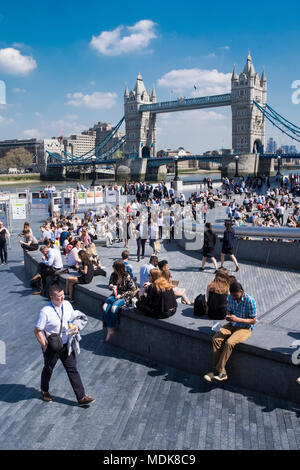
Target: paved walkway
{"points": [[140, 404]]}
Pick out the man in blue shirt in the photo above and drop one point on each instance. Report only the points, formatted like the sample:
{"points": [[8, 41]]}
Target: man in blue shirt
{"points": [[242, 318], [128, 267]]}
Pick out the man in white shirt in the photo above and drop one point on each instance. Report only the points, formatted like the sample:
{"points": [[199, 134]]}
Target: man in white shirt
{"points": [[58, 312], [52, 257], [51, 262]]}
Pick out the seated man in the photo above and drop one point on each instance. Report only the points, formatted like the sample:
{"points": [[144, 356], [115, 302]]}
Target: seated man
{"points": [[242, 317], [128, 267], [51, 262]]}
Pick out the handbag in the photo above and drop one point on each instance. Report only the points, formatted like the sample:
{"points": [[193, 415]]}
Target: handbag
{"points": [[55, 340], [200, 306]]}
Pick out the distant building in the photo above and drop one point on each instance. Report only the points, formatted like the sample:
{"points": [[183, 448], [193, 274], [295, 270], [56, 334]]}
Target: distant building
{"points": [[31, 145], [78, 144], [271, 145]]}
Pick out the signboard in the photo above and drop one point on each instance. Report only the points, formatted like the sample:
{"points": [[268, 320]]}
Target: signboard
{"points": [[19, 211], [90, 199], [81, 198], [111, 195], [3, 217]]}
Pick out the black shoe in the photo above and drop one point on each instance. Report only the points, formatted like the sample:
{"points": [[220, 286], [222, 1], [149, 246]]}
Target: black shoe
{"points": [[86, 400], [201, 269]]}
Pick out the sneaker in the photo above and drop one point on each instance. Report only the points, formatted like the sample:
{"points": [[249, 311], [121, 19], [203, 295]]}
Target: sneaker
{"points": [[222, 376], [86, 400], [37, 292], [201, 269], [46, 396]]}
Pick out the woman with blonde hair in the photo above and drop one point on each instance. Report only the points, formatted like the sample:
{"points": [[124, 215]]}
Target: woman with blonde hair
{"points": [[94, 257], [160, 299]]}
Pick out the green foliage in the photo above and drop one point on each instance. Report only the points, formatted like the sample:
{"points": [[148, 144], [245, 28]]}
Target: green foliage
{"points": [[16, 158]]}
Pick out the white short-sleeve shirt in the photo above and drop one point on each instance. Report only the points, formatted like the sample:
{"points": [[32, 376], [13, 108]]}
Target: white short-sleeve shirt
{"points": [[49, 319]]}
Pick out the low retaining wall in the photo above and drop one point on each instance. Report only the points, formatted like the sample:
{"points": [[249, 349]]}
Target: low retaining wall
{"points": [[262, 364], [281, 254]]}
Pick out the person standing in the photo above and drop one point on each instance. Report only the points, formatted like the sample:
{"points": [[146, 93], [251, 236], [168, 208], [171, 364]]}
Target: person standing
{"points": [[53, 319], [242, 318], [228, 245], [4, 235], [208, 249]]}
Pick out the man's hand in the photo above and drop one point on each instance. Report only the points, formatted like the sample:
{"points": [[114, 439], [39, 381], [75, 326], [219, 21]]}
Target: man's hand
{"points": [[231, 317], [74, 330], [44, 347]]}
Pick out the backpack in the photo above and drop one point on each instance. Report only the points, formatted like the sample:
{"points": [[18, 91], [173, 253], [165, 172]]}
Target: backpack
{"points": [[200, 306]]}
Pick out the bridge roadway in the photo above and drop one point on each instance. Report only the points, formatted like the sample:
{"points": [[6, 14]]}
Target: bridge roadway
{"points": [[141, 404]]}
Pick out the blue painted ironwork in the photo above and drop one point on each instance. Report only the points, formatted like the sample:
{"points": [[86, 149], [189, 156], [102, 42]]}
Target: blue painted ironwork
{"points": [[183, 104], [152, 162], [96, 150], [274, 118], [65, 160]]}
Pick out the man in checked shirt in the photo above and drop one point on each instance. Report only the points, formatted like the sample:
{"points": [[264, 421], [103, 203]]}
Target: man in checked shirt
{"points": [[242, 317]]}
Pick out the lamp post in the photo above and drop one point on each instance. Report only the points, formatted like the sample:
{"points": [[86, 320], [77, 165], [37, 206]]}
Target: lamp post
{"points": [[278, 165], [236, 165], [94, 158], [176, 168]]}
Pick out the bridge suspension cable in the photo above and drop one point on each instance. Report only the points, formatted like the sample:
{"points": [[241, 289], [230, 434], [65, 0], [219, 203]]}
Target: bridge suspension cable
{"points": [[95, 150], [278, 121]]}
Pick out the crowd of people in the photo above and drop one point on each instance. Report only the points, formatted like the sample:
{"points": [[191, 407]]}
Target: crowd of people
{"points": [[152, 214]]}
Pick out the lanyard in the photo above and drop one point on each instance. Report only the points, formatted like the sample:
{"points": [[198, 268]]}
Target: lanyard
{"points": [[62, 310]]}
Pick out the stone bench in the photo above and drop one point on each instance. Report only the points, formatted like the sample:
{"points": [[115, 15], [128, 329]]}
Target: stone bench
{"points": [[263, 363]]}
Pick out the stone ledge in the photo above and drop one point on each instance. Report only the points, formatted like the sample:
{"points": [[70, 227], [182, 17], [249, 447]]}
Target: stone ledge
{"points": [[184, 342]]}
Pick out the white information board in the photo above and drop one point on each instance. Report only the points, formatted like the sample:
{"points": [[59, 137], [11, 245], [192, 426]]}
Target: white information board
{"points": [[18, 211]]}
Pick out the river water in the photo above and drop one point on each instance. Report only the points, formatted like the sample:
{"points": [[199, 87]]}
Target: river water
{"points": [[37, 185]]}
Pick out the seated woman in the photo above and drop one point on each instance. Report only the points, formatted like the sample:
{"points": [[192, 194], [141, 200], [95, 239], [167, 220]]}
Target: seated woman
{"points": [[178, 291], [217, 297], [29, 242], [87, 274], [93, 255], [73, 258], [159, 300], [123, 290]]}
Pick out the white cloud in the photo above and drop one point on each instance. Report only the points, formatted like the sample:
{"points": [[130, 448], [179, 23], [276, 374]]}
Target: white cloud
{"points": [[208, 82], [6, 121], [14, 63], [125, 39], [33, 134], [19, 90], [97, 100], [92, 83]]}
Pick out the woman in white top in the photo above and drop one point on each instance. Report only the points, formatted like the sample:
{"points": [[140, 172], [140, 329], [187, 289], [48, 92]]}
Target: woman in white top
{"points": [[73, 258]]}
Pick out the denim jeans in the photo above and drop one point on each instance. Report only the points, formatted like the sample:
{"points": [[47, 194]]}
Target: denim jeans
{"points": [[111, 310], [3, 252]]}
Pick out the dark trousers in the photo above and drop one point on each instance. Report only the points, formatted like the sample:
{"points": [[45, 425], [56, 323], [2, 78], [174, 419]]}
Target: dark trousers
{"points": [[69, 363], [3, 252], [141, 242], [31, 247]]}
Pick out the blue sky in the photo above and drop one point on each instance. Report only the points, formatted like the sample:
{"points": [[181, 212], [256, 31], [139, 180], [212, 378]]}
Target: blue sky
{"points": [[65, 64]]}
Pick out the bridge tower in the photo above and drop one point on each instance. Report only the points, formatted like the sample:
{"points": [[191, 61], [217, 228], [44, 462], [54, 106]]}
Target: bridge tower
{"points": [[248, 126], [140, 126]]}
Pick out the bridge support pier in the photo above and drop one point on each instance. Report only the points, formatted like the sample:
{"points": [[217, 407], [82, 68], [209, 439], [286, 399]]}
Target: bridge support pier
{"points": [[54, 174], [156, 173], [248, 164], [266, 166], [137, 168]]}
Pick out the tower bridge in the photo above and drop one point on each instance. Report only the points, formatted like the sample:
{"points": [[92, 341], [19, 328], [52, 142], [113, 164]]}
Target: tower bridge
{"points": [[249, 109]]}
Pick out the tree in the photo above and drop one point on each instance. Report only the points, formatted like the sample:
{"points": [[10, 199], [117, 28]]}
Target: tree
{"points": [[16, 158]]}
